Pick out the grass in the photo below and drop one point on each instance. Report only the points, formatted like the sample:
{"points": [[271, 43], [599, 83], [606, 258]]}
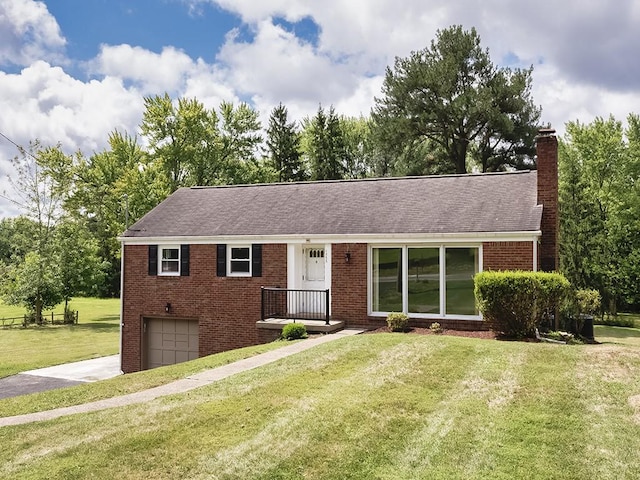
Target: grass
{"points": [[619, 335], [97, 334], [124, 384], [385, 406]]}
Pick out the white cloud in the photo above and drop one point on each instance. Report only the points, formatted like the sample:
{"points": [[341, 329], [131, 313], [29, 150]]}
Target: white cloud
{"points": [[152, 72], [279, 66], [28, 32], [45, 103], [568, 101]]}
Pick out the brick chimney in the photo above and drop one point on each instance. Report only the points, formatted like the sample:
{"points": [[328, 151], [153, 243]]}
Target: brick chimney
{"points": [[547, 165]]}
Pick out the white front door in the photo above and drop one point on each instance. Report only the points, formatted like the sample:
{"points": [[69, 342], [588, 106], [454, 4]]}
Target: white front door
{"points": [[313, 278]]}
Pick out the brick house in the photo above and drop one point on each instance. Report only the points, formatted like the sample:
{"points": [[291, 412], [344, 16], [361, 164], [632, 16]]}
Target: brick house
{"points": [[349, 252]]}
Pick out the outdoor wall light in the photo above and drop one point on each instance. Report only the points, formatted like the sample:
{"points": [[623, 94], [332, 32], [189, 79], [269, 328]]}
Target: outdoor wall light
{"points": [[347, 257], [167, 308]]}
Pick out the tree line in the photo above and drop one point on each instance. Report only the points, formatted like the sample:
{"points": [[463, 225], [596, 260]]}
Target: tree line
{"points": [[599, 170]]}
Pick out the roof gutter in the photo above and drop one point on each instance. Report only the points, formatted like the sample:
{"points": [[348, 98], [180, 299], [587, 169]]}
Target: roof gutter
{"points": [[469, 237]]}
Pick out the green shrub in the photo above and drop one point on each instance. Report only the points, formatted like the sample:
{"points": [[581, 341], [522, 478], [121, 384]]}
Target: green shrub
{"points": [[436, 328], [588, 301], [576, 306], [397, 321], [514, 303], [294, 331]]}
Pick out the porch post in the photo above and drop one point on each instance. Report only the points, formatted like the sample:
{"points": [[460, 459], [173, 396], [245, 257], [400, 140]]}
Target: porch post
{"points": [[326, 305]]}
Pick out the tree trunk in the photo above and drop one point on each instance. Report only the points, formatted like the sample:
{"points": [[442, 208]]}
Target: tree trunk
{"points": [[38, 311], [459, 155]]}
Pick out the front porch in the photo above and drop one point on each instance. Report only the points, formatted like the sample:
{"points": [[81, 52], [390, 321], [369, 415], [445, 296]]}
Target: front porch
{"points": [[281, 306]]}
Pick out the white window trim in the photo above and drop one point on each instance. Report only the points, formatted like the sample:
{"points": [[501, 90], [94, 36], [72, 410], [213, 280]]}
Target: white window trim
{"points": [[405, 287], [161, 248], [230, 273]]}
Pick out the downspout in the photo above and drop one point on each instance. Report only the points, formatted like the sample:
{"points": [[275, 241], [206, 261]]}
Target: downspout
{"points": [[121, 300]]}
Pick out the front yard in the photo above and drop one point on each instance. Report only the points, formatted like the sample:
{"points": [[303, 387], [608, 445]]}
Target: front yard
{"points": [[388, 406], [97, 334]]}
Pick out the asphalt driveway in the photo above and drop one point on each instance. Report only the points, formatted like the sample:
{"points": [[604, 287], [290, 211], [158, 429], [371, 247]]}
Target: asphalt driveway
{"points": [[60, 376]]}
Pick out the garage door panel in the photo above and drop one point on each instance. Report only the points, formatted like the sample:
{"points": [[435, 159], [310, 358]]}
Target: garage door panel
{"points": [[182, 356], [168, 357], [155, 357], [170, 341]]}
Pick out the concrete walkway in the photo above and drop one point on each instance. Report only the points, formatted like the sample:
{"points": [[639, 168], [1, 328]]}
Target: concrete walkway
{"points": [[180, 386]]}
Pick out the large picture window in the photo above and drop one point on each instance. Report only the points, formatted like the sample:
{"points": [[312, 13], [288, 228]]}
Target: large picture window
{"points": [[461, 264], [424, 280], [430, 281], [387, 279]]}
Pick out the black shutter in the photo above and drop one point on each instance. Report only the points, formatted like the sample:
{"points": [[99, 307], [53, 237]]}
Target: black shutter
{"points": [[153, 259], [221, 260], [256, 260], [184, 260]]}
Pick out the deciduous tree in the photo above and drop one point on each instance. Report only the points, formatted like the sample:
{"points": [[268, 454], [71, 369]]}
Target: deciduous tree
{"points": [[599, 167]]}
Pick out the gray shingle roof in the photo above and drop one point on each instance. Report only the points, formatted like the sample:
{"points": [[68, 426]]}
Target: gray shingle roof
{"points": [[502, 202]]}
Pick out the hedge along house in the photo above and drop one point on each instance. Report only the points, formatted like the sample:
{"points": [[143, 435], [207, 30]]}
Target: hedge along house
{"points": [[344, 253]]}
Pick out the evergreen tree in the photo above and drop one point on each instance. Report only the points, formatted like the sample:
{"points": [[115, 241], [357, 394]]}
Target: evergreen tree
{"points": [[283, 143], [451, 100], [324, 145]]}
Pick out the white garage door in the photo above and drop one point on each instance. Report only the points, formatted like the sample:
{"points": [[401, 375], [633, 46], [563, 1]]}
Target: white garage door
{"points": [[170, 341]]}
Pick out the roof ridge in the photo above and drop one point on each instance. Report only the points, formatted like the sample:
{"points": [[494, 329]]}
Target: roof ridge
{"points": [[360, 180]]}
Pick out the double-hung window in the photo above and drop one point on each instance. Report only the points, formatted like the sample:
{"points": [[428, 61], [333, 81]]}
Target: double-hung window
{"points": [[239, 259], [169, 260]]}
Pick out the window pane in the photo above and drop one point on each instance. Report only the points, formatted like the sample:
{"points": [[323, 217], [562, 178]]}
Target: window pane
{"points": [[239, 266], [461, 265], [169, 266], [170, 254], [424, 280], [387, 279], [240, 253]]}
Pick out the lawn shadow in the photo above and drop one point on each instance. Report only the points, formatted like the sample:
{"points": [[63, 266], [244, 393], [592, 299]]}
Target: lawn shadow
{"points": [[106, 318], [97, 327], [619, 332], [94, 326]]}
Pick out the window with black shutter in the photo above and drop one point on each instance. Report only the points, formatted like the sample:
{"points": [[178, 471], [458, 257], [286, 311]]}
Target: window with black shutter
{"points": [[153, 259], [184, 260], [239, 260], [221, 260]]}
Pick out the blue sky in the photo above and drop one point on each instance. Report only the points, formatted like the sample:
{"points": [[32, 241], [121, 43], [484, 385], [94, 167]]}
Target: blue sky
{"points": [[72, 71], [152, 24]]}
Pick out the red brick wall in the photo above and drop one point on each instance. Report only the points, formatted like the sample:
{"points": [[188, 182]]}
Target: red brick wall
{"points": [[349, 283], [547, 165], [227, 308], [507, 256]]}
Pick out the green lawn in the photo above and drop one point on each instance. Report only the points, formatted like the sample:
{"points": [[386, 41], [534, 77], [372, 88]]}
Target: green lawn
{"points": [[97, 334], [385, 406]]}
